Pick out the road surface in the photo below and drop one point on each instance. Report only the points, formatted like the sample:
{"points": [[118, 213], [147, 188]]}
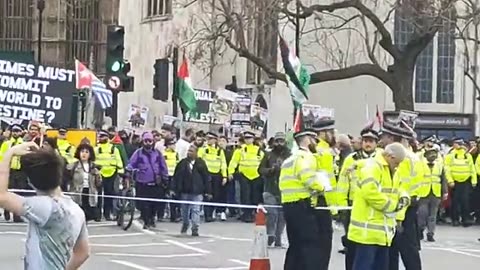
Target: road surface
{"points": [[221, 246]]}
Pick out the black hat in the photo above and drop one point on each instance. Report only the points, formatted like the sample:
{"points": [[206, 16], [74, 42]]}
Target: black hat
{"points": [[389, 128], [211, 135], [16, 127], [369, 133], [307, 132], [103, 133], [458, 140], [62, 130], [170, 142], [248, 135], [323, 124]]}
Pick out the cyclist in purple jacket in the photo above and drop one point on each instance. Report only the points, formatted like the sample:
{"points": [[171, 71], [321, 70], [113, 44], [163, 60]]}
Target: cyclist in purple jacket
{"points": [[152, 171]]}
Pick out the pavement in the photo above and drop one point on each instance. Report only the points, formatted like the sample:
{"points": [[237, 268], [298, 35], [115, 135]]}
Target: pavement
{"points": [[221, 246]]}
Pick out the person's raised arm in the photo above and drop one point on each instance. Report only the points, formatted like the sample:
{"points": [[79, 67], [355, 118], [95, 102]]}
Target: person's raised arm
{"points": [[8, 200]]}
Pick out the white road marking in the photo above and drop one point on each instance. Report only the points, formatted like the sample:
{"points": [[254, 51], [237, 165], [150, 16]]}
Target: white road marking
{"points": [[114, 235], [93, 225], [13, 224], [194, 243], [149, 255], [240, 262], [190, 268], [131, 265], [129, 245], [13, 233], [230, 238], [185, 246], [462, 253]]}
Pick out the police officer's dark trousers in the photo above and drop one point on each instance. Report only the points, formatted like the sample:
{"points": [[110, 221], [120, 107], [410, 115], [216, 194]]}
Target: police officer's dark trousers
{"points": [[309, 234], [406, 243], [219, 195], [251, 192], [461, 201], [108, 185], [349, 245]]}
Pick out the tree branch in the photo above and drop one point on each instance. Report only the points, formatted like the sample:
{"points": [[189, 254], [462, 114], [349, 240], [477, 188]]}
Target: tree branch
{"points": [[243, 52], [386, 42], [351, 72]]}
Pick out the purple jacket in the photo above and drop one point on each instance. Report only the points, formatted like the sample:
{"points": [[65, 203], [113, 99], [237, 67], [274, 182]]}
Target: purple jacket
{"points": [[150, 164]]}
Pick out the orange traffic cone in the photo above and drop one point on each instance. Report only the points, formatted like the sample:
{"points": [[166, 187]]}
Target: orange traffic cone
{"points": [[260, 260]]}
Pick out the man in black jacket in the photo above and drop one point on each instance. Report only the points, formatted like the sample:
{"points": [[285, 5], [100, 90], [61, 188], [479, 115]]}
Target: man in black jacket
{"points": [[269, 169], [191, 181]]}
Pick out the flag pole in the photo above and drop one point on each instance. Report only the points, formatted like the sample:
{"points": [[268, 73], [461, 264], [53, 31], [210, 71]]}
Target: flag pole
{"points": [[297, 48], [175, 82]]}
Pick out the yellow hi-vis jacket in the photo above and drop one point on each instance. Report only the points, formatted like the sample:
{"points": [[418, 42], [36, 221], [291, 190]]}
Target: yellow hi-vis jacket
{"points": [[459, 166], [66, 150], [432, 179], [325, 162], [410, 173], [347, 179], [298, 177], [171, 159], [247, 158], [108, 156], [376, 200], [15, 162], [214, 157]]}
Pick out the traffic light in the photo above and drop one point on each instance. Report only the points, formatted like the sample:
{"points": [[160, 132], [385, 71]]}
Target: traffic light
{"points": [[115, 47], [160, 79], [233, 86], [117, 68]]}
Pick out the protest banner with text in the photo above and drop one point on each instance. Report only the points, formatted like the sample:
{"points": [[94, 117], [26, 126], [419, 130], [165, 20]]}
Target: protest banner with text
{"points": [[36, 92]]}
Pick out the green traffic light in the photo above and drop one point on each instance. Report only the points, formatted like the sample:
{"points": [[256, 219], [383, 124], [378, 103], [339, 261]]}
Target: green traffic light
{"points": [[116, 66]]}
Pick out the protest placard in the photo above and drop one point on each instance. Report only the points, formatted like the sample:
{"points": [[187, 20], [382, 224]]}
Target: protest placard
{"points": [[137, 115], [258, 117], [204, 112], [36, 92]]}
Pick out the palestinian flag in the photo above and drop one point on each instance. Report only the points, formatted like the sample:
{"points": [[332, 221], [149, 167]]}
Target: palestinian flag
{"points": [[185, 92], [297, 75], [298, 123]]}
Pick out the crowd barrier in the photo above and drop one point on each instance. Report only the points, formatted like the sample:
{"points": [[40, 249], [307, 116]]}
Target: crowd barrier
{"points": [[232, 205]]}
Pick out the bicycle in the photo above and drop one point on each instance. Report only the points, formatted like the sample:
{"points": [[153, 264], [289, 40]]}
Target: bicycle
{"points": [[125, 205]]}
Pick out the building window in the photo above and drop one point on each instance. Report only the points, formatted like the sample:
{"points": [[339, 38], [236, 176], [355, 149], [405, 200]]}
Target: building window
{"points": [[403, 32], [156, 8], [424, 75], [446, 63], [16, 24]]}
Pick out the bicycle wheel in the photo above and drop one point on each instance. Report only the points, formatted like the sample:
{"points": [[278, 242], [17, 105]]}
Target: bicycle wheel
{"points": [[120, 212], [128, 210]]}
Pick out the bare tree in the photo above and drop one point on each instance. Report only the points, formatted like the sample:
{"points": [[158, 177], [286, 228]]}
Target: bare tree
{"points": [[468, 31], [322, 24]]}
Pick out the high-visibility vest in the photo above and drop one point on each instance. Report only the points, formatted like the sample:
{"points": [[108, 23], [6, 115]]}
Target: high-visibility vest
{"points": [[373, 212], [298, 177], [410, 173], [432, 179], [15, 161], [108, 156], [348, 177], [66, 150], [171, 159], [326, 163], [214, 157], [459, 166], [248, 159]]}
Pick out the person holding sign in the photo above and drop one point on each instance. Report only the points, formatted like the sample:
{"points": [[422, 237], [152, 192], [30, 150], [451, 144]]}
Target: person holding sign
{"points": [[18, 179]]}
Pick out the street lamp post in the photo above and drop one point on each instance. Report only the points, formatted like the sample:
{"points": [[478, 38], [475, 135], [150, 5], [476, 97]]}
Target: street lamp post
{"points": [[40, 7]]}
